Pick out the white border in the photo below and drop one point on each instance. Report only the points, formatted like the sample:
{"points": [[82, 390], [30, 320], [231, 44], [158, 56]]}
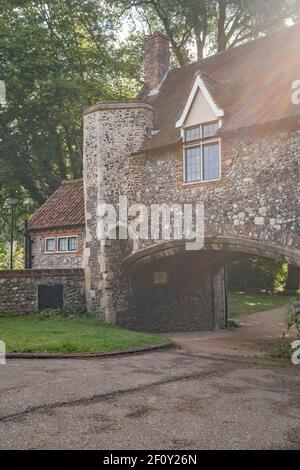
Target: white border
{"points": [[49, 252], [198, 84], [56, 251], [200, 144], [66, 251]]}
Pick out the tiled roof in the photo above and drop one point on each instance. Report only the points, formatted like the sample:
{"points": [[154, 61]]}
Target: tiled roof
{"points": [[64, 208], [251, 83]]}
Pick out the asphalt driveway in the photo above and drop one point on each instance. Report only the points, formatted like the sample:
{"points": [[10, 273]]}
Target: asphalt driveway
{"points": [[173, 399]]}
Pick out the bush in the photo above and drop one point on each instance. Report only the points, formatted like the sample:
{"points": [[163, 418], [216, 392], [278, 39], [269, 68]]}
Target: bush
{"points": [[281, 349], [293, 318]]}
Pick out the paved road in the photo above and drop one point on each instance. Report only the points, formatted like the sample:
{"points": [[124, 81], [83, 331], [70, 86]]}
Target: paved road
{"points": [[172, 399], [257, 334]]}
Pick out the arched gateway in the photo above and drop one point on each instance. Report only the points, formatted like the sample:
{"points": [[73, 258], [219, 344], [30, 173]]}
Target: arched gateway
{"points": [[225, 132]]}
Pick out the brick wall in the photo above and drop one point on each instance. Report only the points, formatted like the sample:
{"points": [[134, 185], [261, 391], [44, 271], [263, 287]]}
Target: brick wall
{"points": [[19, 289], [157, 59]]}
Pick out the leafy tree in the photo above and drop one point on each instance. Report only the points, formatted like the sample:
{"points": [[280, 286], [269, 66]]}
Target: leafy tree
{"points": [[241, 20], [57, 58], [22, 210], [211, 25], [257, 273]]}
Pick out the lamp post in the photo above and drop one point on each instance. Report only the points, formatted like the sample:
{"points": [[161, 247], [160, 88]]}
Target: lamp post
{"points": [[12, 203]]}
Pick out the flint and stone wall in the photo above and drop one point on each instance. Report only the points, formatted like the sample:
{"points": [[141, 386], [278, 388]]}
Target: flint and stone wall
{"points": [[256, 199], [111, 134], [42, 260], [19, 289], [177, 307], [258, 195]]}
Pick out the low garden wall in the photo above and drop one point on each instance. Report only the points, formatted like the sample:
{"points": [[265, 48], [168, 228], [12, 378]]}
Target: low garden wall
{"points": [[27, 291]]}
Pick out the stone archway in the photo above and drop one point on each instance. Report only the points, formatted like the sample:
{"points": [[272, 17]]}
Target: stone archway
{"points": [[233, 244], [174, 289]]}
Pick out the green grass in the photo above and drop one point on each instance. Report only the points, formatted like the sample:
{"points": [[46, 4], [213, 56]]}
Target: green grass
{"points": [[242, 303], [31, 333]]}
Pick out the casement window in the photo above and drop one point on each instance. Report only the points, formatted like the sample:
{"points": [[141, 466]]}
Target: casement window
{"points": [[61, 244], [72, 243], [202, 156], [50, 245], [67, 244]]}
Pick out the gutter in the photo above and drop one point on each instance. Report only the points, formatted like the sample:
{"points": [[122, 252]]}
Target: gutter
{"points": [[27, 247]]}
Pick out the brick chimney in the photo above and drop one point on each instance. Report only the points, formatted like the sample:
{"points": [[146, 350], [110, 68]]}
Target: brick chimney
{"points": [[157, 61]]}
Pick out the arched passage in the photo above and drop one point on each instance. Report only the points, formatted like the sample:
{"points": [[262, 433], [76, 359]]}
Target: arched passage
{"points": [[230, 244], [175, 289]]}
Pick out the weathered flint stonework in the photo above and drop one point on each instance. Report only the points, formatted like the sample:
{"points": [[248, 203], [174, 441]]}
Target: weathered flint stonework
{"points": [[112, 132], [20, 289], [251, 207], [258, 196], [254, 208]]}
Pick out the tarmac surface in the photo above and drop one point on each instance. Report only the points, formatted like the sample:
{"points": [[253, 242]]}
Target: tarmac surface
{"points": [[170, 399]]}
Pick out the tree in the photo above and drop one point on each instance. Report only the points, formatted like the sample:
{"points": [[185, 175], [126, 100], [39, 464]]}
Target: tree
{"points": [[241, 20], [58, 57], [257, 273], [211, 25]]}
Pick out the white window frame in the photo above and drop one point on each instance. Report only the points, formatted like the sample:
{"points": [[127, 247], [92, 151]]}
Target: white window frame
{"points": [[67, 251], [200, 143], [45, 248]]}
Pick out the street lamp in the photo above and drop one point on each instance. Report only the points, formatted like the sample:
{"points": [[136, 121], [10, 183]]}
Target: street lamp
{"points": [[11, 202]]}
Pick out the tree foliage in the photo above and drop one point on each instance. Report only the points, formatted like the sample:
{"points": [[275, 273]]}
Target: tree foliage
{"points": [[257, 273], [209, 25], [59, 56], [56, 58]]}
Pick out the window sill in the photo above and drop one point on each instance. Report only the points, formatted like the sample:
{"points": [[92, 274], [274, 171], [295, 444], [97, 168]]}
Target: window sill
{"points": [[60, 252], [194, 183]]}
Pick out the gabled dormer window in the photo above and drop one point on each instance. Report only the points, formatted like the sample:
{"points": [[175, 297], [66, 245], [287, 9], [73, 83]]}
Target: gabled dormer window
{"points": [[202, 156], [199, 122]]}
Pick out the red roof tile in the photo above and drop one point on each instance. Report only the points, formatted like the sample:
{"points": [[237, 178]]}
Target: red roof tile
{"points": [[251, 83], [64, 208]]}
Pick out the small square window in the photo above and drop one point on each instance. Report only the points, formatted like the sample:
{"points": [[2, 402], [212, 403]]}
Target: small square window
{"points": [[192, 134], [62, 244], [50, 245], [72, 243]]}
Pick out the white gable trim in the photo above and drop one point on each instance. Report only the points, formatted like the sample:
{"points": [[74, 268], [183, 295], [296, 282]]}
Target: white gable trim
{"points": [[199, 84]]}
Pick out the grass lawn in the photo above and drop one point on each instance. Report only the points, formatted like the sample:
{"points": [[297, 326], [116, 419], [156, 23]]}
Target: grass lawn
{"points": [[32, 333], [241, 303]]}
